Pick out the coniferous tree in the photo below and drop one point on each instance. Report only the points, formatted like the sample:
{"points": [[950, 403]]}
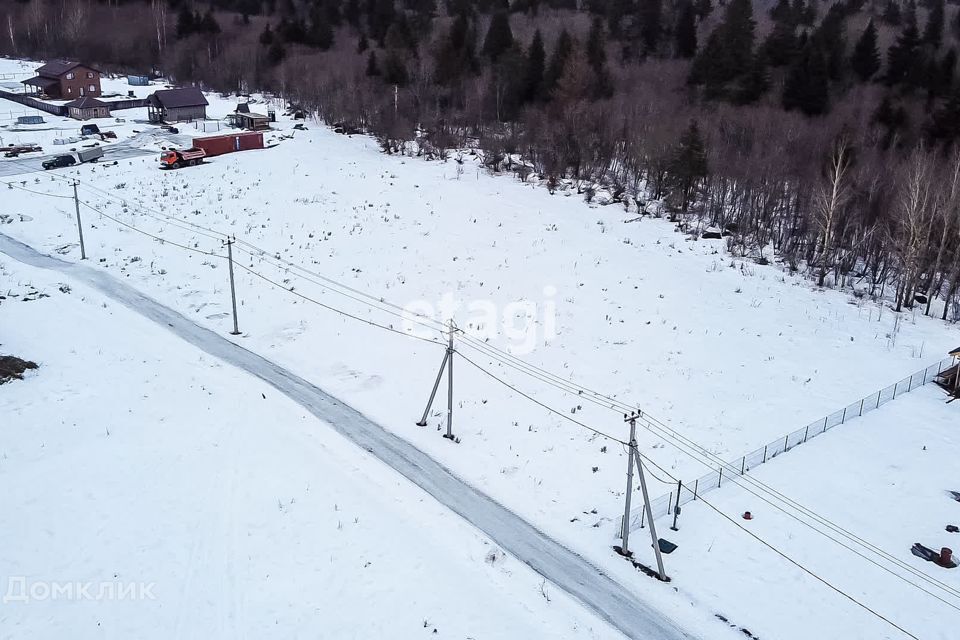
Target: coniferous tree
{"points": [[499, 36], [807, 86], [558, 63], [944, 126], [276, 53], [688, 165], [185, 23], [728, 52], [351, 13], [650, 17], [782, 44], [933, 30], [266, 36], [903, 56], [686, 32], [373, 69], [536, 64], [704, 8], [866, 57], [362, 43], [892, 14], [831, 38], [755, 83], [597, 59], [893, 119]]}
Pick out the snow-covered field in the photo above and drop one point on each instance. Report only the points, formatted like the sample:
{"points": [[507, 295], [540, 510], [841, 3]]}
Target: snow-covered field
{"points": [[729, 353], [133, 461]]}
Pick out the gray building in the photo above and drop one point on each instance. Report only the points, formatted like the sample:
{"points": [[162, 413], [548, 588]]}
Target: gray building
{"points": [[177, 105]]}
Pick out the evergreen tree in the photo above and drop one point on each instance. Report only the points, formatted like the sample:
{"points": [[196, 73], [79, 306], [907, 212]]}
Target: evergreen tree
{"points": [[185, 23], [373, 69], [903, 56], [351, 13], [866, 57], [362, 43], [266, 36], [276, 53], [728, 52], [558, 62], [686, 31], [783, 12], [536, 64], [688, 165], [208, 24], [891, 13], [831, 38], [755, 83], [933, 30], [944, 125], [650, 17], [807, 86], [380, 16], [782, 45], [597, 59], [704, 8], [395, 69], [499, 36], [456, 57], [320, 33], [893, 119]]}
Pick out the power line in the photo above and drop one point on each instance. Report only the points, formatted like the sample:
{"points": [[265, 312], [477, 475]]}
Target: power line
{"points": [[537, 402], [334, 309], [786, 557]]}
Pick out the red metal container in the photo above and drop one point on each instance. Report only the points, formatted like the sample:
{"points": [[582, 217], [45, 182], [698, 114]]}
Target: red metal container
{"points": [[230, 142]]}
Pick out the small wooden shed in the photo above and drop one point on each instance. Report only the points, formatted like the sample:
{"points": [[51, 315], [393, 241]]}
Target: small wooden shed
{"points": [[949, 378], [86, 108]]}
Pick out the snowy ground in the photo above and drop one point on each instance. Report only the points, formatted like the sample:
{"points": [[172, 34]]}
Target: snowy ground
{"points": [[729, 353], [885, 477], [235, 512]]}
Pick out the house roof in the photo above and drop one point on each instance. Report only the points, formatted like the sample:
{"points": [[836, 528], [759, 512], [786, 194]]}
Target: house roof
{"points": [[57, 68], [175, 98], [955, 352], [43, 83], [86, 102]]}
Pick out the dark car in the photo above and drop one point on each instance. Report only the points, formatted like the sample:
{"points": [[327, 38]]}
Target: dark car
{"points": [[89, 130], [59, 161]]}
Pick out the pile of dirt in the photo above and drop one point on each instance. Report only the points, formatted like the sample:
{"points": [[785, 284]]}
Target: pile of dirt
{"points": [[12, 368]]}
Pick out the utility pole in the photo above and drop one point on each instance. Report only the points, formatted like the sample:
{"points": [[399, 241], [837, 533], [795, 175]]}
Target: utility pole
{"points": [[635, 458], [448, 365], [233, 290], [76, 204]]}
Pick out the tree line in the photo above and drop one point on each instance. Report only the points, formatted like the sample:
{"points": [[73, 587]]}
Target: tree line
{"points": [[821, 133]]}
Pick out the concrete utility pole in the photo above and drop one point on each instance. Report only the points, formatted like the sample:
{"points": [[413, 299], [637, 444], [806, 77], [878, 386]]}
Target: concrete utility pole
{"points": [[448, 364], [233, 290], [76, 204], [625, 533]]}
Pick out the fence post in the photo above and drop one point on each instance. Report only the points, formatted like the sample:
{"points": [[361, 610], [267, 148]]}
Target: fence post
{"points": [[806, 432], [786, 441], [878, 398], [720, 479], [895, 390], [861, 406], [925, 375], [910, 385], [743, 464], [843, 420], [825, 424], [696, 486], [764, 454]]}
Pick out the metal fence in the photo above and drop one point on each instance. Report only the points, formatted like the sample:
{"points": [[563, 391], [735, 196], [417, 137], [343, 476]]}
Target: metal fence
{"points": [[666, 504]]}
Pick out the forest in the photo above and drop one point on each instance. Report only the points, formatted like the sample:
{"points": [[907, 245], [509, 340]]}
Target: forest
{"points": [[823, 135]]}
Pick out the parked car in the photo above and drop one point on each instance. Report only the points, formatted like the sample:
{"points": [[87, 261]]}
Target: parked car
{"points": [[57, 162], [89, 130]]}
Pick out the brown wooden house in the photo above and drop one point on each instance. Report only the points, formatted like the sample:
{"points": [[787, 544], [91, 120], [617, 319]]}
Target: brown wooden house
{"points": [[177, 105], [64, 80]]}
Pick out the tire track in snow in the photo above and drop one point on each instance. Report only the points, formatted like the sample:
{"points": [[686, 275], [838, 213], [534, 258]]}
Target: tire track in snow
{"points": [[567, 570]]}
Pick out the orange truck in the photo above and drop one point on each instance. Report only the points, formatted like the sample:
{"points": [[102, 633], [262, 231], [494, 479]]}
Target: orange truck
{"points": [[176, 158]]}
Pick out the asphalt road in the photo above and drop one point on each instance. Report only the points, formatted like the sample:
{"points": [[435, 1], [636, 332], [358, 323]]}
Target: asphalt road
{"points": [[567, 570]]}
